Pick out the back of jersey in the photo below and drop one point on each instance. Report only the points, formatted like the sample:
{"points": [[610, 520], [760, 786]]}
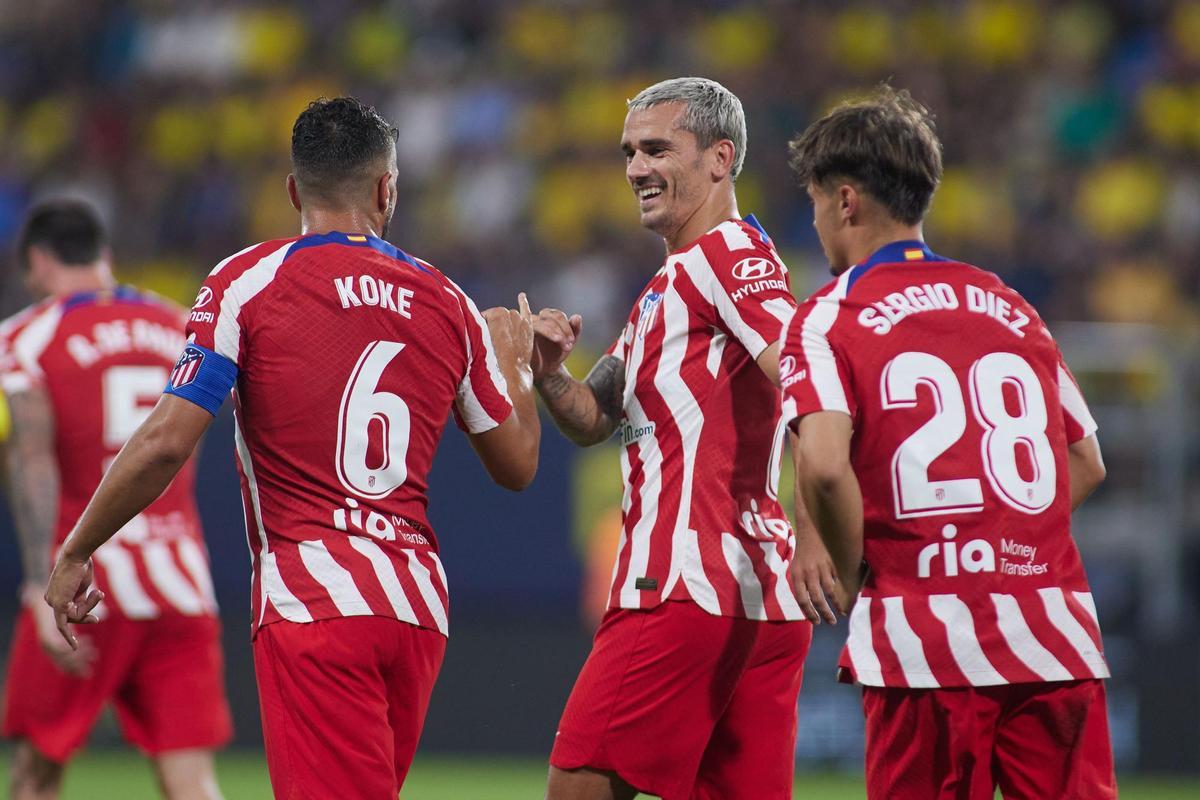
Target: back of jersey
{"points": [[348, 355], [963, 412], [102, 358]]}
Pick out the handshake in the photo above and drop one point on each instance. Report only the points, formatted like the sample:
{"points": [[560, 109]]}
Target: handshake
{"points": [[537, 344]]}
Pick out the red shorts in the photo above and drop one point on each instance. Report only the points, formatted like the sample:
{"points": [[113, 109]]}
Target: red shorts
{"points": [[164, 676], [1034, 740], [683, 704], [343, 702]]}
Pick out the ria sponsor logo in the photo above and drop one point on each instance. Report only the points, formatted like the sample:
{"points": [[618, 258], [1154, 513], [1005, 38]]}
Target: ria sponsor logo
{"points": [[387, 528], [753, 268], [976, 555]]}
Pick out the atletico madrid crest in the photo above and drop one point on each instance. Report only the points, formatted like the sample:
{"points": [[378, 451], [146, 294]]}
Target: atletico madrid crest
{"points": [[187, 367]]}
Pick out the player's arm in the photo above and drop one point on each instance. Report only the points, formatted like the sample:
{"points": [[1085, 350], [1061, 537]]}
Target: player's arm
{"points": [[509, 451], [768, 362], [145, 467], [33, 482], [1086, 466], [814, 577], [830, 493], [588, 411]]}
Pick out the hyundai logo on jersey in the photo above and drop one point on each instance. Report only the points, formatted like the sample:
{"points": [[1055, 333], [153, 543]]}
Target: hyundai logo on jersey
{"points": [[203, 298], [187, 367], [753, 268], [649, 312]]}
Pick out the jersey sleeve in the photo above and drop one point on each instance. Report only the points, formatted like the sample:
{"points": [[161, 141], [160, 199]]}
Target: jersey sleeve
{"points": [[1076, 416], [747, 286], [21, 349], [619, 348], [208, 367], [481, 402], [812, 373]]}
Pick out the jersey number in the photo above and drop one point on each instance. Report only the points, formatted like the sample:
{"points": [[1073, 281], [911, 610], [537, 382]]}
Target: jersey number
{"points": [[368, 414], [125, 390], [1005, 434]]}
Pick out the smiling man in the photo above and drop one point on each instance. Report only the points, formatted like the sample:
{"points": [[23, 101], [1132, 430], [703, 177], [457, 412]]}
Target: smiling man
{"points": [[690, 689]]}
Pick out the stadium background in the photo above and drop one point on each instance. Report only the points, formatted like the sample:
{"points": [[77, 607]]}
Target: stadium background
{"points": [[1072, 134]]}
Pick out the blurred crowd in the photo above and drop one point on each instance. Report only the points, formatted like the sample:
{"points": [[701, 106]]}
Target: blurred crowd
{"points": [[1071, 130]]}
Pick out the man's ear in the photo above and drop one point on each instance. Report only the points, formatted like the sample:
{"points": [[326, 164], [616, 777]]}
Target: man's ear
{"points": [[383, 192], [293, 192], [723, 158], [849, 202]]}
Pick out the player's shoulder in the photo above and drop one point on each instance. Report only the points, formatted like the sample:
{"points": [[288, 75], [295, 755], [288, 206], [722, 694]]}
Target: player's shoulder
{"points": [[734, 240], [233, 266], [36, 313]]}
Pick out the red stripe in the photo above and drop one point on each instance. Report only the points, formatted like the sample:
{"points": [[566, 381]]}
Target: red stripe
{"points": [[995, 646], [300, 582], [361, 572], [413, 593], [638, 476], [1084, 616], [935, 642], [1034, 611], [881, 643]]}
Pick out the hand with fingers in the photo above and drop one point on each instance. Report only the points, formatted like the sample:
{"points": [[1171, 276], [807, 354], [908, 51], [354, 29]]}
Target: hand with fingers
{"points": [[70, 594], [72, 661], [555, 335], [814, 579], [512, 334]]}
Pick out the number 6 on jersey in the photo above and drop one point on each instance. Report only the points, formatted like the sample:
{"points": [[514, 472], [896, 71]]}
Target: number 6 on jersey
{"points": [[366, 411]]}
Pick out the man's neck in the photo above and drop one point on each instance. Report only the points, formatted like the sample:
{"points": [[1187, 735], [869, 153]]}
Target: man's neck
{"points": [[718, 208], [73, 280], [320, 221], [870, 240]]}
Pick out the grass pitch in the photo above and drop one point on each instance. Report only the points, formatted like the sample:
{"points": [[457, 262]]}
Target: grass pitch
{"points": [[121, 775]]}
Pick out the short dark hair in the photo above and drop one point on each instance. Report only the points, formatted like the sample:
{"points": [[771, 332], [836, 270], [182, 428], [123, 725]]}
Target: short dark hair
{"points": [[336, 142], [70, 229], [885, 143]]}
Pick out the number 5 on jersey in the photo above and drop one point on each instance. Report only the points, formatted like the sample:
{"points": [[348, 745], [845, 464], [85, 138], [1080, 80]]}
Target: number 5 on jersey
{"points": [[367, 413]]}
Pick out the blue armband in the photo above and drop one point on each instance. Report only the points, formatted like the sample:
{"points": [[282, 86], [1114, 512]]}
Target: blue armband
{"points": [[203, 377]]}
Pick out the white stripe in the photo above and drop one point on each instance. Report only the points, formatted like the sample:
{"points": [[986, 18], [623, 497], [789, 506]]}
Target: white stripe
{"points": [[783, 584], [434, 603], [822, 363], [907, 645], [689, 422], [716, 348], [735, 236], [170, 582], [124, 586], [1062, 618], [963, 641], [780, 309], [473, 413], [220, 266], [385, 571], [336, 579], [860, 647], [1023, 643], [743, 571], [651, 458], [1073, 402], [31, 342], [197, 567], [273, 589], [227, 333], [702, 274], [1086, 600]]}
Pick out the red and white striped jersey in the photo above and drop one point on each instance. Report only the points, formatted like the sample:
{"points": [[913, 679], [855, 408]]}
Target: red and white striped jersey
{"points": [[102, 358], [347, 355], [701, 433], [963, 411]]}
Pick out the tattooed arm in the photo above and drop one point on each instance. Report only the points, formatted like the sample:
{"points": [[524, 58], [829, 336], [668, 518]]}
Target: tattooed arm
{"points": [[587, 412], [33, 481]]}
